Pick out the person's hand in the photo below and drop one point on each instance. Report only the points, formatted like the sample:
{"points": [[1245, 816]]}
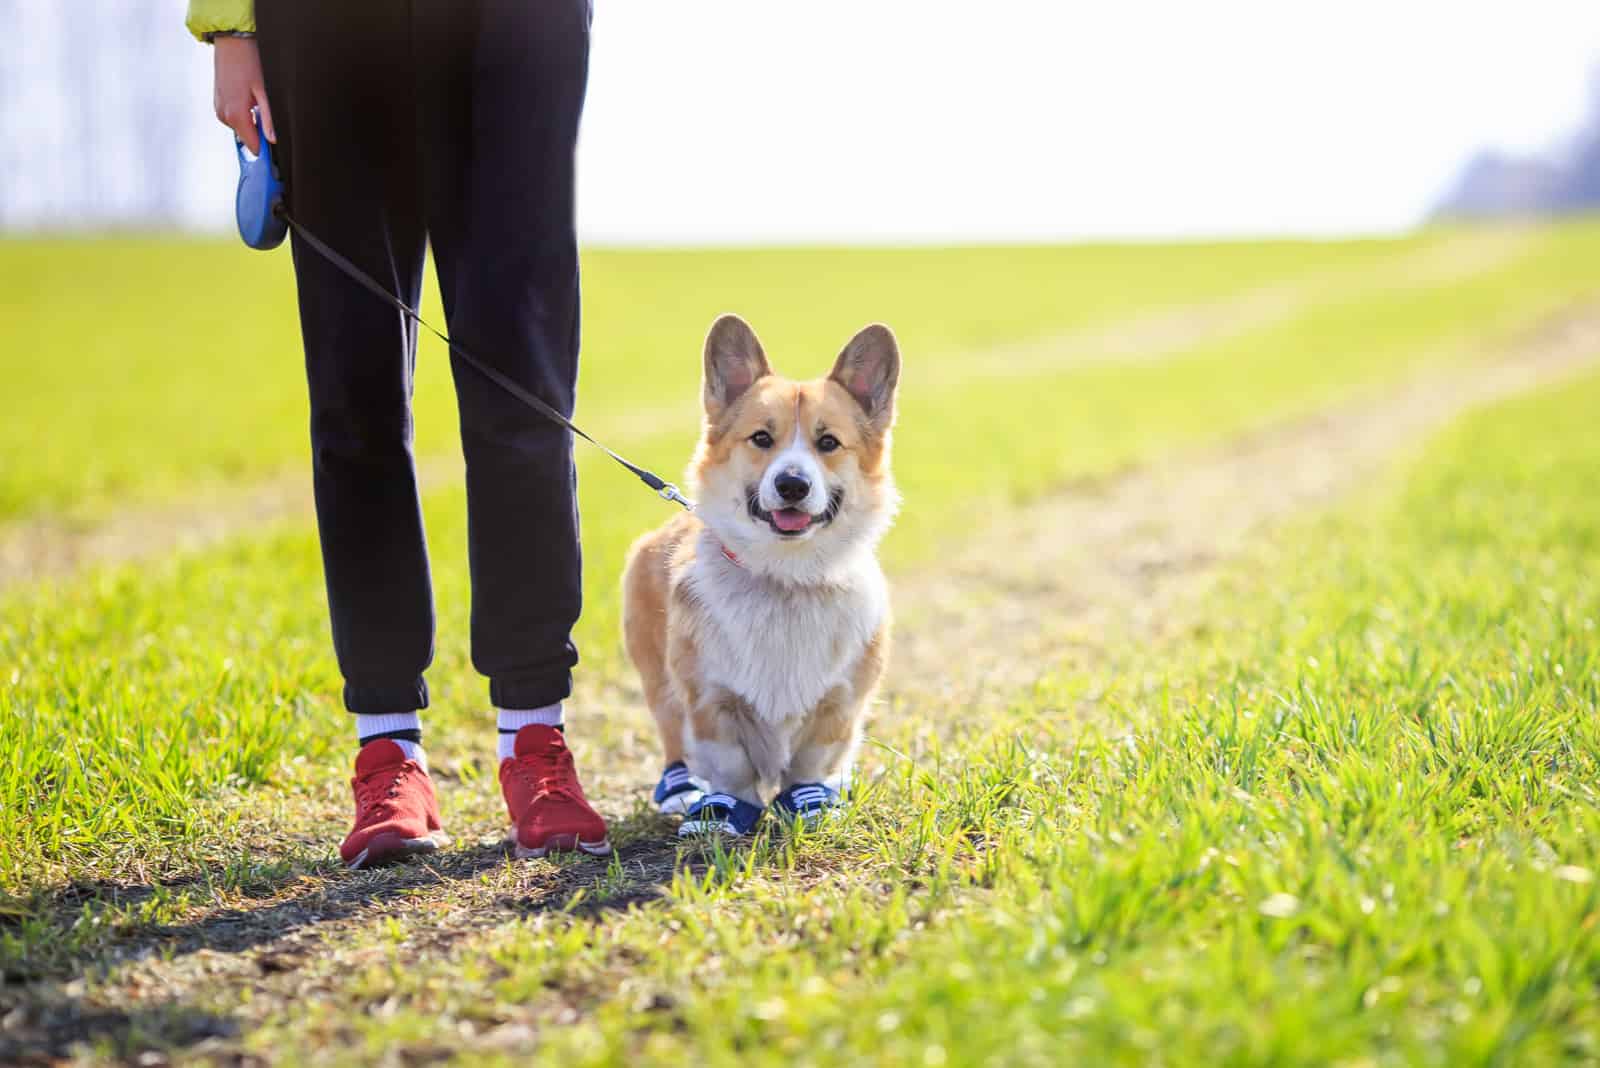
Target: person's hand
{"points": [[239, 87]]}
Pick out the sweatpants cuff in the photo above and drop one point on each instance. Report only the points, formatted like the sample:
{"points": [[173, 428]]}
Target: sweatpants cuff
{"points": [[530, 691], [367, 700]]}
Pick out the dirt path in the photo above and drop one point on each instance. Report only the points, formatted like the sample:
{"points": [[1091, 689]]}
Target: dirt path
{"points": [[31, 550], [1054, 574], [996, 611], [44, 548]]}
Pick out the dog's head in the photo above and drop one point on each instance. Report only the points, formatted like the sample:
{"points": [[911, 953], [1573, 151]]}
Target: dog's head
{"points": [[794, 476]]}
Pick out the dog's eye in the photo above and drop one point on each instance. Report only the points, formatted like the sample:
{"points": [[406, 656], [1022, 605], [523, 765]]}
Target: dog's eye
{"points": [[761, 439], [827, 443]]}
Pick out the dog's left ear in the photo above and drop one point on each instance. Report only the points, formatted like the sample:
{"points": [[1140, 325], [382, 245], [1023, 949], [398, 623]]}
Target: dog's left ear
{"points": [[869, 370], [733, 361]]}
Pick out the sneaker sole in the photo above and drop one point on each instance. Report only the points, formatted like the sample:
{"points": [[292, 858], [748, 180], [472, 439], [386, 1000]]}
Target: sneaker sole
{"points": [[706, 828], [559, 843], [391, 848]]}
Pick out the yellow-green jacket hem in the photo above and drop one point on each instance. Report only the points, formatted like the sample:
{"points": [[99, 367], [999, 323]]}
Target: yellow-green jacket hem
{"points": [[219, 16]]}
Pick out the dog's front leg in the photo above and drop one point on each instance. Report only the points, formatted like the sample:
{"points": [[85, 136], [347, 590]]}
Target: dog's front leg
{"points": [[826, 743], [828, 740], [718, 734], [814, 781], [823, 750]]}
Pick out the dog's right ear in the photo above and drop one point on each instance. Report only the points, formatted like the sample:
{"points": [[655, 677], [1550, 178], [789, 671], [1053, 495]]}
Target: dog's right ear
{"points": [[734, 360]]}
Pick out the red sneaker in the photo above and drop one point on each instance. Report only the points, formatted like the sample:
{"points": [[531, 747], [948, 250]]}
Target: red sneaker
{"points": [[397, 815], [546, 803]]}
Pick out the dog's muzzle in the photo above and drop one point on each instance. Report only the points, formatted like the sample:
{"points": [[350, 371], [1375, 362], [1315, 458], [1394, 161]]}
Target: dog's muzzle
{"points": [[793, 522]]}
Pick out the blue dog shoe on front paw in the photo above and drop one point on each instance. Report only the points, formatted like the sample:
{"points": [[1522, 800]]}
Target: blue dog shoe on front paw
{"points": [[677, 791], [807, 802], [720, 814]]}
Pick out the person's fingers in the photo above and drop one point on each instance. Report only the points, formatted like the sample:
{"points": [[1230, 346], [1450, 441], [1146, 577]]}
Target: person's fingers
{"points": [[265, 110], [244, 128]]}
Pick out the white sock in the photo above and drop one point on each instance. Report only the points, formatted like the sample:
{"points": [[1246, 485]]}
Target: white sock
{"points": [[367, 726], [413, 751], [512, 720]]}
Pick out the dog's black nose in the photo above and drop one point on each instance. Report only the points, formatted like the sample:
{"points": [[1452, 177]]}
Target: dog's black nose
{"points": [[792, 487]]}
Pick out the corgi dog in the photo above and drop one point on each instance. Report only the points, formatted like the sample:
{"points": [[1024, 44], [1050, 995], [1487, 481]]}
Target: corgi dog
{"points": [[759, 622]]}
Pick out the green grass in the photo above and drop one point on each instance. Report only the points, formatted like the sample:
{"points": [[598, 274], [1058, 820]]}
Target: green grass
{"points": [[1389, 717], [202, 671]]}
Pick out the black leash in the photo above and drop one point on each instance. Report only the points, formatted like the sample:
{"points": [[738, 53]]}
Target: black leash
{"points": [[664, 489]]}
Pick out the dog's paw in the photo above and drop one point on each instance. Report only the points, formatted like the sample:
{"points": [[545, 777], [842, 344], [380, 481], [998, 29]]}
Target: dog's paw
{"points": [[677, 791], [720, 814], [808, 803]]}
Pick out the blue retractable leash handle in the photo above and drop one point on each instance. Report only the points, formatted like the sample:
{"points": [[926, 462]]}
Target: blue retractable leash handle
{"points": [[264, 221], [258, 205]]}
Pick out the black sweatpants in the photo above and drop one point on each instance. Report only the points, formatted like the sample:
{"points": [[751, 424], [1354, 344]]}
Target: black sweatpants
{"points": [[451, 123]]}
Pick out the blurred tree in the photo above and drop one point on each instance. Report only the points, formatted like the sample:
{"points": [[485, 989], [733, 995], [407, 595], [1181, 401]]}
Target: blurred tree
{"points": [[97, 100], [1497, 184], [1580, 185]]}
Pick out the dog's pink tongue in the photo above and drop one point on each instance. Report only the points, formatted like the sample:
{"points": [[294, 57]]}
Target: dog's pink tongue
{"points": [[790, 519]]}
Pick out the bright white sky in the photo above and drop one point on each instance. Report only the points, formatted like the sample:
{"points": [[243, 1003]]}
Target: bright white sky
{"points": [[860, 121], [928, 120]]}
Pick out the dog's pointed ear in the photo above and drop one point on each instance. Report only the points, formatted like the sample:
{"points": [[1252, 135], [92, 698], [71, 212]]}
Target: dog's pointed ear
{"points": [[734, 360], [869, 370]]}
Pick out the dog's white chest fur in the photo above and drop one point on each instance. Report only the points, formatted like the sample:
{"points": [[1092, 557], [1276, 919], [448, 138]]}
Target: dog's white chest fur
{"points": [[781, 646]]}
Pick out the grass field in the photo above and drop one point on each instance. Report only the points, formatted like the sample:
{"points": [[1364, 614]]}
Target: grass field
{"points": [[185, 391], [1334, 804]]}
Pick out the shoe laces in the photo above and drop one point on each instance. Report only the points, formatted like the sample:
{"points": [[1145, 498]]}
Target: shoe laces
{"points": [[549, 770], [377, 792]]}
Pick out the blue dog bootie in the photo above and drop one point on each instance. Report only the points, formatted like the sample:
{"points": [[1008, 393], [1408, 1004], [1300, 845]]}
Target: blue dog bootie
{"points": [[808, 802], [677, 791], [720, 814]]}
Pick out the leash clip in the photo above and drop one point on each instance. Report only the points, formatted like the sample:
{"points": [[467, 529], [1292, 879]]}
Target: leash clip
{"points": [[669, 492]]}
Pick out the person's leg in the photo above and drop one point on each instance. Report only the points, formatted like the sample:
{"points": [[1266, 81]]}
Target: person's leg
{"points": [[499, 179], [339, 77], [503, 90]]}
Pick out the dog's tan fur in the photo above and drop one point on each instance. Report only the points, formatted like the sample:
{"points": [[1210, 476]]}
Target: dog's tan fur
{"points": [[759, 669]]}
